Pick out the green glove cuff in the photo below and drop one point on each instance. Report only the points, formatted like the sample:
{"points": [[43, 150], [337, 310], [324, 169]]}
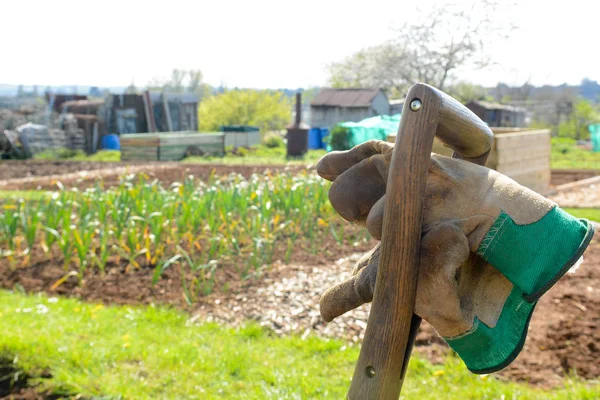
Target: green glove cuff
{"points": [[535, 256], [485, 350]]}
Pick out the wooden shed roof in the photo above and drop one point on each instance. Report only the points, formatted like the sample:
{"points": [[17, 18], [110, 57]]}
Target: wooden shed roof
{"points": [[496, 106], [345, 97]]}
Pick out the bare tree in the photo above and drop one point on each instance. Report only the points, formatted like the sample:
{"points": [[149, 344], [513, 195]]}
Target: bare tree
{"points": [[194, 81], [182, 81], [131, 89], [428, 49]]}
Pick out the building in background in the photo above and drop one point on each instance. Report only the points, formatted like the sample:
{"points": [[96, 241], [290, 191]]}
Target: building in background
{"points": [[332, 106], [396, 106], [151, 112], [498, 115]]}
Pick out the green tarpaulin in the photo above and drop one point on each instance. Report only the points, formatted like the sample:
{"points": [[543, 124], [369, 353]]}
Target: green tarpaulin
{"points": [[378, 127], [595, 134]]}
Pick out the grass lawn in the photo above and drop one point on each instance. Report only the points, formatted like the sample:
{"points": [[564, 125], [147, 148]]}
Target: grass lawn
{"points": [[78, 155], [256, 155], [102, 155], [153, 353], [24, 194], [593, 214], [566, 155]]}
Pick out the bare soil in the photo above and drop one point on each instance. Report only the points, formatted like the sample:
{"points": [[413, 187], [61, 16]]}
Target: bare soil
{"points": [[43, 175], [124, 284], [10, 169], [563, 176]]}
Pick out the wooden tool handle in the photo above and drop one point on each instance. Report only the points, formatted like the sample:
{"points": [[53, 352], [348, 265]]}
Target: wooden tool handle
{"points": [[461, 130], [392, 326]]}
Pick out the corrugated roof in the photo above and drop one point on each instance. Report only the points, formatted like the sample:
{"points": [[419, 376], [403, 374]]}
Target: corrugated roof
{"points": [[345, 97]]}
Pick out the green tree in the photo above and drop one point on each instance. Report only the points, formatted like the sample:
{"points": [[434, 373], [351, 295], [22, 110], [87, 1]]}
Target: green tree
{"points": [[576, 126], [466, 92], [268, 111]]}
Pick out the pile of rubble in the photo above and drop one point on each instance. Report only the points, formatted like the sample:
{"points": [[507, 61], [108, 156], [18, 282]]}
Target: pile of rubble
{"points": [[31, 130]]}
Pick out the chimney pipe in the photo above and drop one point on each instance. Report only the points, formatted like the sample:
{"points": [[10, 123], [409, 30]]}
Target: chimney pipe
{"points": [[298, 109]]}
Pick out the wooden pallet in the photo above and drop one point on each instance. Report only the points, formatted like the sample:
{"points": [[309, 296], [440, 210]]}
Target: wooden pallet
{"points": [[169, 146]]}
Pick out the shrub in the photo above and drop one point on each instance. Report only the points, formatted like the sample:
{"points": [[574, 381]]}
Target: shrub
{"points": [[273, 141], [242, 152], [563, 145], [338, 138]]}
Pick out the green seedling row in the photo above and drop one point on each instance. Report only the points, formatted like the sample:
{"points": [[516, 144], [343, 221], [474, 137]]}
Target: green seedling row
{"points": [[199, 225]]}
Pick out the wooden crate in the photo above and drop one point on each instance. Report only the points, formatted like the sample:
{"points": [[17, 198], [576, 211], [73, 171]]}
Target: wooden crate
{"points": [[169, 146], [519, 153], [242, 139]]}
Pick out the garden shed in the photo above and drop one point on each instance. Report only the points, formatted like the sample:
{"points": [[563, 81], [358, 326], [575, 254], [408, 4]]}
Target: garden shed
{"points": [[498, 115], [151, 112], [332, 106]]}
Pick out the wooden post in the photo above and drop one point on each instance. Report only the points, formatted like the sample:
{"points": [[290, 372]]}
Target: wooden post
{"points": [[95, 138], [149, 111], [167, 112], [392, 326]]}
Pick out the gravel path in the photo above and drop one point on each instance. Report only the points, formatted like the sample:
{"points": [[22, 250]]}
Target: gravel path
{"points": [[287, 301], [586, 196]]}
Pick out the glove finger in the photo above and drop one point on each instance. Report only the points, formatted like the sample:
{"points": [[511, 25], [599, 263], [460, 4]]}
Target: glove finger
{"points": [[367, 258], [375, 219], [350, 294], [354, 192], [334, 163]]}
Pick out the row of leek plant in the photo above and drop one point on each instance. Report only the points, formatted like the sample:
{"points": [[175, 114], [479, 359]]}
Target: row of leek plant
{"points": [[195, 223]]}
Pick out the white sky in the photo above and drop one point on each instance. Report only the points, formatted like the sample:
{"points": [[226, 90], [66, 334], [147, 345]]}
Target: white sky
{"points": [[262, 43]]}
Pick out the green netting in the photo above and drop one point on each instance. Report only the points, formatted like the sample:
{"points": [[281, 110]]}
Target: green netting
{"points": [[595, 134], [378, 127]]}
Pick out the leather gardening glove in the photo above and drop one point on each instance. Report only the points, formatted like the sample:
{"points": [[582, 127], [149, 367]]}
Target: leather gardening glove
{"points": [[490, 248]]}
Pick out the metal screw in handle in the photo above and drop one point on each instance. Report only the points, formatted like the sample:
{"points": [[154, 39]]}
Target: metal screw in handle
{"points": [[416, 105], [370, 372]]}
